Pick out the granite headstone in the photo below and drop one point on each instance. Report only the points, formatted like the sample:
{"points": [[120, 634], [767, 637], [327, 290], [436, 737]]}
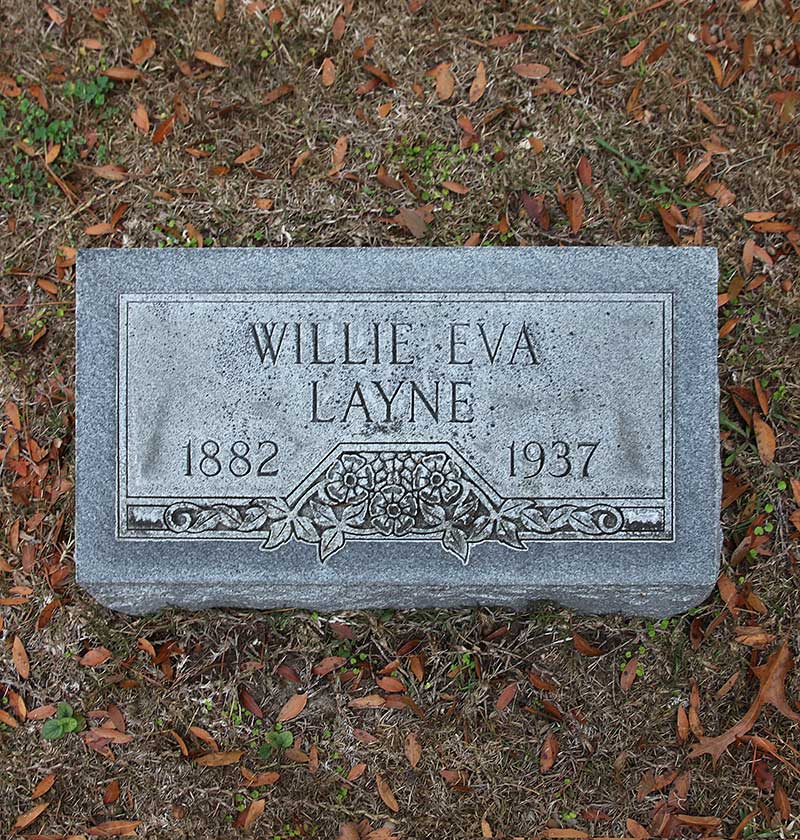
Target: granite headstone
{"points": [[398, 427]]}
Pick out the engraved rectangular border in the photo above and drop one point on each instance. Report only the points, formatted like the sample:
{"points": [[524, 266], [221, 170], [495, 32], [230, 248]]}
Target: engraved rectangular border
{"points": [[666, 299]]}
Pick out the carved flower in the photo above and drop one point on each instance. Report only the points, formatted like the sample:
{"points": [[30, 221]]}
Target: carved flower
{"points": [[393, 510], [349, 479], [437, 479], [396, 468]]}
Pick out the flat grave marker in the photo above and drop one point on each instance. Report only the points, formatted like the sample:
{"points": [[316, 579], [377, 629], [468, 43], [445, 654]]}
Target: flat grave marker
{"points": [[398, 427]]}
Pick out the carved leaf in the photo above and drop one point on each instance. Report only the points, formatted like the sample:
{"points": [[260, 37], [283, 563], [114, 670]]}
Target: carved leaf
{"points": [[254, 518], [304, 529], [431, 513], [279, 533], [466, 507], [330, 542], [454, 540], [482, 530], [588, 525], [276, 508], [508, 534], [354, 516], [323, 514]]}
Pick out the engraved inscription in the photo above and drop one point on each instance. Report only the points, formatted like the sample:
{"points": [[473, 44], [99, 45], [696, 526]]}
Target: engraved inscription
{"points": [[454, 418]]}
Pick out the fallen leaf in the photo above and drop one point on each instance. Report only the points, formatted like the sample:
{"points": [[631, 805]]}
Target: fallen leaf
{"points": [[140, 118], [413, 220], [328, 72], [111, 172], [219, 10], [328, 664], [219, 759], [628, 674], [585, 171], [338, 155], [293, 707], [29, 817], [385, 793], [122, 74], [94, 657], [114, 828], [268, 777], [765, 439], [531, 71], [248, 701], [111, 793], [478, 86], [371, 701], [163, 130], [549, 752], [277, 93], [455, 187], [251, 813], [145, 50], [771, 676], [46, 783], [574, 210], [583, 647], [634, 54], [506, 696], [20, 658], [412, 748], [210, 58], [251, 154], [445, 82]]}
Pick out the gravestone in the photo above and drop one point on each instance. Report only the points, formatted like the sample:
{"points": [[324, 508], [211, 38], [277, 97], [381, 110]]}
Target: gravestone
{"points": [[398, 427]]}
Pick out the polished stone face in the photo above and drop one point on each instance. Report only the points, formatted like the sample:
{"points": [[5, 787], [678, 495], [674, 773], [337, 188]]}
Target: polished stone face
{"points": [[398, 427]]}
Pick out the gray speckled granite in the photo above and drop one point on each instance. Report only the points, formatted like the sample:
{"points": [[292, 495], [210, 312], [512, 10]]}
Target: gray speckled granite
{"points": [[334, 497]]}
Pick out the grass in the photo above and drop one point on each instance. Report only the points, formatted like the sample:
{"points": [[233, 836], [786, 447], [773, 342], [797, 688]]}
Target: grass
{"points": [[641, 128]]}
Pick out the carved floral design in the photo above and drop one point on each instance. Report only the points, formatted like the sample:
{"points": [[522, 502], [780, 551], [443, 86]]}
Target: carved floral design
{"points": [[395, 495]]}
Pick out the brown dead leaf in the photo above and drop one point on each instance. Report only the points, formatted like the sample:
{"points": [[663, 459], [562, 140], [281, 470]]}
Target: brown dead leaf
{"points": [[445, 82], [111, 172], [455, 187], [163, 130], [249, 702], [20, 658], [549, 752], [94, 657], [277, 93], [250, 154], [46, 783], [114, 828], [251, 813], [219, 759], [385, 793], [210, 58], [506, 696], [328, 664], [478, 86], [584, 647], [585, 171], [252, 779], [111, 792], [574, 210], [772, 692], [338, 155], [122, 74], [412, 748], [140, 118], [413, 220], [628, 674], [145, 50], [531, 71], [634, 54], [765, 439], [219, 10], [12, 412], [328, 72], [29, 817], [292, 707]]}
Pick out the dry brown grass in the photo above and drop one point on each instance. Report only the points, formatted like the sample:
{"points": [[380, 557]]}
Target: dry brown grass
{"points": [[608, 739]]}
